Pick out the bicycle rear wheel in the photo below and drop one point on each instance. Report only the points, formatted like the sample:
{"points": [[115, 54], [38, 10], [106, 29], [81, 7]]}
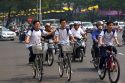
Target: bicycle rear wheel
{"points": [[114, 71]]}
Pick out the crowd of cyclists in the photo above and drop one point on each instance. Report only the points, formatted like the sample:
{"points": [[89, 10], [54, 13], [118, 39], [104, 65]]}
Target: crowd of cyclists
{"points": [[103, 36]]}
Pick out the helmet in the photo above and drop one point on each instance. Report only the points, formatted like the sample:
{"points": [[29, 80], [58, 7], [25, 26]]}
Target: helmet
{"points": [[47, 24], [99, 22], [76, 23]]}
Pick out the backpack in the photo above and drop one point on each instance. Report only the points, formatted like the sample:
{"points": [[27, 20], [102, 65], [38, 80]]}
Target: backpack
{"points": [[67, 29], [105, 30]]}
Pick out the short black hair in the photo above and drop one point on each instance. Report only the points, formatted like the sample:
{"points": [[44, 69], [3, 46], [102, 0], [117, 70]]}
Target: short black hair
{"points": [[63, 19], [110, 22], [35, 21]]}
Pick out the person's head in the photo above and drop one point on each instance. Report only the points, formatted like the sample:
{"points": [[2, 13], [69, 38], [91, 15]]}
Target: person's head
{"points": [[76, 25], [48, 27], [99, 25], [36, 24], [63, 23], [110, 25]]}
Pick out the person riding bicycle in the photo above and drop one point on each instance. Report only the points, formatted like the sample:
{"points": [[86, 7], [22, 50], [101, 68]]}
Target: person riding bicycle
{"points": [[95, 38], [33, 36], [63, 34], [107, 37]]}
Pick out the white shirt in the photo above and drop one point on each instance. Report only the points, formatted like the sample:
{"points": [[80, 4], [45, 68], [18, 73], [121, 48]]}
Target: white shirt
{"points": [[108, 38], [77, 33], [63, 36], [35, 37]]}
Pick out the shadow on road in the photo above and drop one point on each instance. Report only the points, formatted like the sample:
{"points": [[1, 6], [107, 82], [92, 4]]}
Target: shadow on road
{"points": [[89, 80], [26, 79], [85, 70]]}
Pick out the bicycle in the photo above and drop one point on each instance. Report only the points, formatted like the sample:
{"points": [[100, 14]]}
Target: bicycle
{"points": [[38, 62], [65, 61], [112, 66]]}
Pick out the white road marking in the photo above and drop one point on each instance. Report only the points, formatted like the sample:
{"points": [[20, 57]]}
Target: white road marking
{"points": [[121, 54]]}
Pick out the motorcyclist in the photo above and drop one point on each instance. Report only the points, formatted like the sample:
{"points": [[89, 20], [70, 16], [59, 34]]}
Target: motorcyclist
{"points": [[95, 35]]}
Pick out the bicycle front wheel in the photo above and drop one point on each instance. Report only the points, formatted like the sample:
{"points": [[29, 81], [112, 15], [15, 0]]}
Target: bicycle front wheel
{"points": [[68, 68], [103, 72], [39, 67], [61, 69], [114, 71]]}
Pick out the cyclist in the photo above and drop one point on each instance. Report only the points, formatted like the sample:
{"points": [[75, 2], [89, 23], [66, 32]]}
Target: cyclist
{"points": [[33, 36], [107, 37], [95, 35], [63, 34]]}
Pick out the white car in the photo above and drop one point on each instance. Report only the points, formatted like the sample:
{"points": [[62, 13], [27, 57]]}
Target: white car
{"points": [[88, 26], [6, 34]]}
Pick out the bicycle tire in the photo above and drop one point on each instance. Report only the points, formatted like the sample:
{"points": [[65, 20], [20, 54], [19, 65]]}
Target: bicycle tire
{"points": [[103, 73], [68, 68], [118, 70], [39, 64], [60, 69], [34, 69]]}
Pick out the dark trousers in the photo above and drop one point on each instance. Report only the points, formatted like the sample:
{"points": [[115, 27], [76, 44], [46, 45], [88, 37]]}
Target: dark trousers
{"points": [[104, 55], [96, 50], [31, 55]]}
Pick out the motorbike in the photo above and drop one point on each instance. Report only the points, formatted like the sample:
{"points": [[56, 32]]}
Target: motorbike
{"points": [[50, 52], [79, 50]]}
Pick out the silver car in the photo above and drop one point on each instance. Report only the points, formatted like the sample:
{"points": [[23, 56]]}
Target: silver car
{"points": [[6, 34], [87, 26]]}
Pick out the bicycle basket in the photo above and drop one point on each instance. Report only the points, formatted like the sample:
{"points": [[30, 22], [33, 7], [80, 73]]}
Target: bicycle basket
{"points": [[37, 49], [67, 49]]}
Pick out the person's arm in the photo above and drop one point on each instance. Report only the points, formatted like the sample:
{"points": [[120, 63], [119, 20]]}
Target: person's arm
{"points": [[71, 37], [84, 34], [101, 38], [52, 31], [56, 37], [116, 39], [45, 33], [94, 36], [27, 38]]}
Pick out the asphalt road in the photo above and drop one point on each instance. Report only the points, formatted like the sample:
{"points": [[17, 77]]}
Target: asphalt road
{"points": [[14, 66]]}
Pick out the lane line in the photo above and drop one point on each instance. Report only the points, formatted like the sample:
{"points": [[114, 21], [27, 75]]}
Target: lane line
{"points": [[121, 54]]}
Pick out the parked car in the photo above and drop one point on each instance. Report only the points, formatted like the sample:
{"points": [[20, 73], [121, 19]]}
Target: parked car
{"points": [[120, 23], [88, 26], [6, 34]]}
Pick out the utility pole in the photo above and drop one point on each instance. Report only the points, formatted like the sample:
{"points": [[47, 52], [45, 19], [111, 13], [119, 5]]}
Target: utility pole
{"points": [[40, 12]]}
